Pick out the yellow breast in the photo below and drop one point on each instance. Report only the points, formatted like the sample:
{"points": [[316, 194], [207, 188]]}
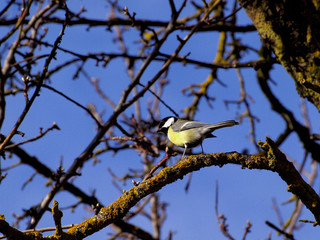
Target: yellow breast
{"points": [[183, 137]]}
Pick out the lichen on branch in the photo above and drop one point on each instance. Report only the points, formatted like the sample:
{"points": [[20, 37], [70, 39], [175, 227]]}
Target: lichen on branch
{"points": [[272, 159], [292, 30]]}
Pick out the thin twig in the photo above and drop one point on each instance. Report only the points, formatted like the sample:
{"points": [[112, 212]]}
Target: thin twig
{"points": [[287, 235], [36, 92], [41, 134], [75, 102], [247, 230], [220, 217], [168, 155], [160, 100]]}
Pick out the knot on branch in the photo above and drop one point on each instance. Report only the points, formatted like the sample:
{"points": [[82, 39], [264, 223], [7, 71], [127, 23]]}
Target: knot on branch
{"points": [[57, 215], [274, 155]]}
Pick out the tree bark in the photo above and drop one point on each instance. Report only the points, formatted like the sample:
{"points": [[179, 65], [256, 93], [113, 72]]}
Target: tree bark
{"points": [[292, 30]]}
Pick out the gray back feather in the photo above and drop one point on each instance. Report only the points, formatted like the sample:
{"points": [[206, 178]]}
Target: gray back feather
{"points": [[182, 125]]}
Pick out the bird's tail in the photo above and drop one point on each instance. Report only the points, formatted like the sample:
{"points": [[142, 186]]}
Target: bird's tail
{"points": [[228, 123]]}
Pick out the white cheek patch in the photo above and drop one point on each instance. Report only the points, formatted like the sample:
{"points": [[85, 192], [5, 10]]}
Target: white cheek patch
{"points": [[168, 123]]}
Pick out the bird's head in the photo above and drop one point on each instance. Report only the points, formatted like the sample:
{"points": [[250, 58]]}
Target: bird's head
{"points": [[166, 123]]}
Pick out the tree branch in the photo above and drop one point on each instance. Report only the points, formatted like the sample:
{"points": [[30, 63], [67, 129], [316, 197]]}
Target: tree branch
{"points": [[293, 35], [272, 160]]}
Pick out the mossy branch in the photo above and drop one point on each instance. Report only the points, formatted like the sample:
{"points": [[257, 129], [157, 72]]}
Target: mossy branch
{"points": [[272, 159], [11, 232], [294, 37]]}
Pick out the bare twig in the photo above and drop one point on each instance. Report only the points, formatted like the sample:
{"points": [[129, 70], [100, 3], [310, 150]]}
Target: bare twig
{"points": [[168, 155], [277, 211], [247, 230], [75, 102], [7, 67], [18, 23], [41, 134], [245, 99], [287, 235], [220, 217]]}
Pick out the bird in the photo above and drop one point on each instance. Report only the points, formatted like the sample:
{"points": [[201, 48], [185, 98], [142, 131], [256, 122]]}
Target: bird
{"points": [[189, 134]]}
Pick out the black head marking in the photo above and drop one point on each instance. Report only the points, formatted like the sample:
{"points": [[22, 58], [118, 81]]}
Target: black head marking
{"points": [[166, 123]]}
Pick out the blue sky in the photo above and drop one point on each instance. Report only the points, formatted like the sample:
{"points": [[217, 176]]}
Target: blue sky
{"points": [[243, 194]]}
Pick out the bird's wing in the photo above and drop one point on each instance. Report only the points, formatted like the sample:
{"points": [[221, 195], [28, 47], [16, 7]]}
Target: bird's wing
{"points": [[183, 125]]}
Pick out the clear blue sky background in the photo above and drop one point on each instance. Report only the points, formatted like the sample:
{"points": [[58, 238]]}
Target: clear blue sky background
{"points": [[243, 194]]}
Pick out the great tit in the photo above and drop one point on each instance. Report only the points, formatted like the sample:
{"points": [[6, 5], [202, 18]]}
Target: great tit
{"points": [[189, 134]]}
